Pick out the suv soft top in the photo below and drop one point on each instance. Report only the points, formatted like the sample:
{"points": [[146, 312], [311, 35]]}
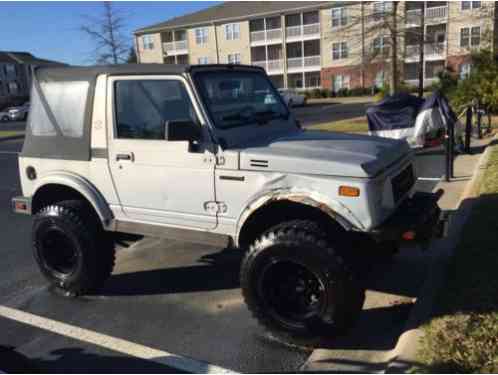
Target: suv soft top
{"points": [[60, 118]]}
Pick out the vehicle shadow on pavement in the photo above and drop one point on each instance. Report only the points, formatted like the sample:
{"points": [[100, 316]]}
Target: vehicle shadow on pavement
{"points": [[77, 360], [220, 271]]}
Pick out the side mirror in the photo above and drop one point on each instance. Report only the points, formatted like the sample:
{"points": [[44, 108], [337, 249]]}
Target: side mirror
{"points": [[182, 130]]}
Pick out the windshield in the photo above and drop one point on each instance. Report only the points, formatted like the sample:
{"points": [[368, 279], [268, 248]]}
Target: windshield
{"points": [[239, 98]]}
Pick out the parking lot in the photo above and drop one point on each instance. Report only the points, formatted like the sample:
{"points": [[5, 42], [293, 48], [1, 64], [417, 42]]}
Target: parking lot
{"points": [[181, 301]]}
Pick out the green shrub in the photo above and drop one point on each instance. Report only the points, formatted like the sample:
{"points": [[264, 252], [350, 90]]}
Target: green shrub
{"points": [[344, 92], [316, 93]]}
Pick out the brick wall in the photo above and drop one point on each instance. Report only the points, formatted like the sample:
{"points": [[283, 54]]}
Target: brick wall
{"points": [[354, 72]]}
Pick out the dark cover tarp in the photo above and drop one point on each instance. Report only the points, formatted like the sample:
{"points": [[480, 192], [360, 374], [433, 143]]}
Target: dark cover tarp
{"points": [[394, 112]]}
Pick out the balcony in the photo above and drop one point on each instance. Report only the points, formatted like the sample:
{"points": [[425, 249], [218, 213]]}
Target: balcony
{"points": [[262, 37], [302, 32], [301, 64], [433, 51], [175, 48], [271, 66], [432, 15]]}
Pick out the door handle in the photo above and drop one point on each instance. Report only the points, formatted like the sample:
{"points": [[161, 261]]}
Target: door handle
{"points": [[129, 157]]}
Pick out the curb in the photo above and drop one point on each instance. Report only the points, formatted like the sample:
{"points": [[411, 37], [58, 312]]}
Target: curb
{"points": [[404, 355], [12, 137]]}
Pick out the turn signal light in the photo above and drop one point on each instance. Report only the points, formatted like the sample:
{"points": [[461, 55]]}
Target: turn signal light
{"points": [[349, 191]]}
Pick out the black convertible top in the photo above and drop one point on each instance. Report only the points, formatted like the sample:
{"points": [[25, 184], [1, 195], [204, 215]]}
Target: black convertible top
{"points": [[60, 118]]}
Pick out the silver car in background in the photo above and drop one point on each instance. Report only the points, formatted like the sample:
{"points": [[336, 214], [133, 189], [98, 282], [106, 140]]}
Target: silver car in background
{"points": [[292, 97]]}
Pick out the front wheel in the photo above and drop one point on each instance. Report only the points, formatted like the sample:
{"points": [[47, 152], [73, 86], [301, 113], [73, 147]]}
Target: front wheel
{"points": [[297, 286], [4, 118], [72, 250]]}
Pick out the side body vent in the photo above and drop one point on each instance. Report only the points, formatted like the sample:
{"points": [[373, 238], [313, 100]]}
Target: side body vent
{"points": [[259, 163]]}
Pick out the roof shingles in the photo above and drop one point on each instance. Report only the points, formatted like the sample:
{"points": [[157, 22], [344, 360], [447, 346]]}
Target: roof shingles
{"points": [[231, 10]]}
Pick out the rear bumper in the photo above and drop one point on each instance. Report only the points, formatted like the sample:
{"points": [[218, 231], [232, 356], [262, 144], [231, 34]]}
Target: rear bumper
{"points": [[21, 205], [418, 219]]}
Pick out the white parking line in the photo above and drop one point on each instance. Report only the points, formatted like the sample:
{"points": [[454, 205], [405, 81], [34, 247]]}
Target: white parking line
{"points": [[429, 178], [112, 343]]}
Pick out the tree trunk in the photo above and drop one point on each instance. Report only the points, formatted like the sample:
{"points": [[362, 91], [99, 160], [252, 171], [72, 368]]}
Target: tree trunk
{"points": [[421, 46], [393, 88]]}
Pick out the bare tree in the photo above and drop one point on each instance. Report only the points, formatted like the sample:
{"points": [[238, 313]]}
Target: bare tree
{"points": [[107, 31]]}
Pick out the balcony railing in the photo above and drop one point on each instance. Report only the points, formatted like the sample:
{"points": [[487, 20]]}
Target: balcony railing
{"points": [[312, 28], [293, 31], [274, 65], [430, 50], [311, 61], [270, 66], [175, 46], [300, 30], [413, 15], [303, 62], [436, 12], [266, 35], [295, 62]]}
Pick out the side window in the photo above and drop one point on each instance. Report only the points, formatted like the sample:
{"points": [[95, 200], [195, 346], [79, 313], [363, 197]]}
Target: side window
{"points": [[142, 107]]}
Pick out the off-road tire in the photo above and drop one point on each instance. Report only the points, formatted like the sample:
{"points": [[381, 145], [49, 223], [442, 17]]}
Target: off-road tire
{"points": [[93, 248], [303, 242]]}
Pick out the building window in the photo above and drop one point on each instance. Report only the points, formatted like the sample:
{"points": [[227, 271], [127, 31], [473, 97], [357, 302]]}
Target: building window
{"points": [[466, 5], [465, 70], [475, 36], [13, 88], [340, 82], [233, 58], [203, 60], [464, 37], [339, 51], [380, 46], [201, 35], [232, 31], [10, 69], [380, 9], [339, 17], [148, 42], [470, 36]]}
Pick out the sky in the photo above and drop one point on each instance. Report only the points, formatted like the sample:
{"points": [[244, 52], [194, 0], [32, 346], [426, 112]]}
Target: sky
{"points": [[50, 30]]}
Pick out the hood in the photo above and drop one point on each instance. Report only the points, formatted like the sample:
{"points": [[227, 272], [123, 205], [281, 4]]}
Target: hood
{"points": [[325, 153]]}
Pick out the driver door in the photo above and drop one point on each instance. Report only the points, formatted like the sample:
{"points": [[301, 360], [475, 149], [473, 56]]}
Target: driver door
{"points": [[158, 180]]}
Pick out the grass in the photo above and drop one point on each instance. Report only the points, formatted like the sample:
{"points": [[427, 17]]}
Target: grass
{"points": [[354, 125], [463, 335], [10, 133]]}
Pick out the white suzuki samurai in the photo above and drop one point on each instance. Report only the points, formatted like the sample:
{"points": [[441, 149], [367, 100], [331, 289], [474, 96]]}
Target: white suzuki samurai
{"points": [[211, 154]]}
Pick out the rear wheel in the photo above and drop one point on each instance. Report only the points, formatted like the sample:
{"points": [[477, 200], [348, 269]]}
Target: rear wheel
{"points": [[72, 250], [4, 118], [296, 285]]}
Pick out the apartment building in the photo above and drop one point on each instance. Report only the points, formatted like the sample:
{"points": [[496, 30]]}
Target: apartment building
{"points": [[319, 44], [15, 75]]}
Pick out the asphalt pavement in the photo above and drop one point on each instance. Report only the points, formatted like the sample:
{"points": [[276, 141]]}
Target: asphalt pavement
{"points": [[175, 298]]}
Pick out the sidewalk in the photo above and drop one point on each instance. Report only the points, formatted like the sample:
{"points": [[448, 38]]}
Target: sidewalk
{"points": [[399, 295]]}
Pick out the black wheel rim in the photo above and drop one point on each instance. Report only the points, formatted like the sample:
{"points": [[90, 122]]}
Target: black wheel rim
{"points": [[293, 293], [58, 252]]}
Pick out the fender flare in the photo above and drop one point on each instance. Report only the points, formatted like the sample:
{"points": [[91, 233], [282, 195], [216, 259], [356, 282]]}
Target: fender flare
{"points": [[335, 210], [82, 186]]}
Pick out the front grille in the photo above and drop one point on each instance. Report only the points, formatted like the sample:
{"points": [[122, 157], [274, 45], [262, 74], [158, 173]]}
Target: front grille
{"points": [[402, 183]]}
